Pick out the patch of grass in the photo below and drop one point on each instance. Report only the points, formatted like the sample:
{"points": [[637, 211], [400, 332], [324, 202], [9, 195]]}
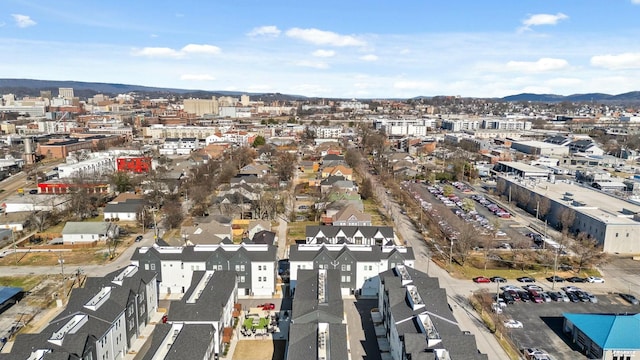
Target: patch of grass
{"points": [[297, 230], [254, 350], [25, 282], [372, 208]]}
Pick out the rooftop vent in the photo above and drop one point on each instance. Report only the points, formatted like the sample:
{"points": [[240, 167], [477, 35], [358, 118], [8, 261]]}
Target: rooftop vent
{"points": [[414, 297], [98, 299], [322, 286], [427, 327], [323, 342], [195, 295], [402, 272], [70, 327]]}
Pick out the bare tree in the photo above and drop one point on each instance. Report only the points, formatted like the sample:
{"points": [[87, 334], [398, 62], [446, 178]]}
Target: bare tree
{"points": [[543, 206], [464, 242], [587, 251]]}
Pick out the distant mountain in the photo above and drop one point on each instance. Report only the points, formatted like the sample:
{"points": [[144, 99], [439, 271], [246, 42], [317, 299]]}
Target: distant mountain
{"points": [[630, 97], [31, 87]]}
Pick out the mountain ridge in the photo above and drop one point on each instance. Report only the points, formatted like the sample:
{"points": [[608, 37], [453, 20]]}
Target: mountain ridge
{"points": [[32, 87]]}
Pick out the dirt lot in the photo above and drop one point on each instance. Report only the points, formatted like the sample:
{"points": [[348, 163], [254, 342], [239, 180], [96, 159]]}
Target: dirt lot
{"points": [[259, 350]]}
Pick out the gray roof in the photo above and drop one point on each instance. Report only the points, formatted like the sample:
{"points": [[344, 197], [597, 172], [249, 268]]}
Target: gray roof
{"points": [[81, 228], [264, 237], [331, 231], [373, 253], [202, 253], [192, 342], [303, 341], [306, 307], [459, 345], [128, 206], [159, 334], [211, 301]]}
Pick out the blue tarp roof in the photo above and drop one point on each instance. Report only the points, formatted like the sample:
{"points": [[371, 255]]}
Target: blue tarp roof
{"points": [[7, 293], [617, 332]]}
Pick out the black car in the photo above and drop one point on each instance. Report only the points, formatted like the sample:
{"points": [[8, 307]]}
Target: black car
{"points": [[498, 279], [524, 296], [508, 298], [526, 279], [138, 238], [555, 278], [630, 298], [576, 279], [573, 296]]}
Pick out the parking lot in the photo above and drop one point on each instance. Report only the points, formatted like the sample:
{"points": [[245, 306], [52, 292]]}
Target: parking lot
{"points": [[542, 323]]}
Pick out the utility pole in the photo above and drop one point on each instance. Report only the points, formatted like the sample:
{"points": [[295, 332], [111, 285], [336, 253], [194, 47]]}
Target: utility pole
{"points": [[450, 253], [555, 267], [15, 251]]}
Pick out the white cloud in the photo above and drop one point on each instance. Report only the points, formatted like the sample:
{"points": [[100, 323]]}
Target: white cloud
{"points": [[153, 35], [324, 53], [156, 52], [312, 64], [637, 2], [321, 37], [542, 19], [542, 65], [197, 77], [23, 21], [200, 49], [268, 30], [165, 52], [617, 62], [369, 57]]}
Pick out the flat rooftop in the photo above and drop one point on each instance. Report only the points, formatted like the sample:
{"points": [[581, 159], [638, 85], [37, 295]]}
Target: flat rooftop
{"points": [[597, 204], [538, 144], [523, 167]]}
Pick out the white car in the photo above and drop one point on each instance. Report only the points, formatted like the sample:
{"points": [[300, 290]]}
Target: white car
{"points": [[595, 279], [513, 324]]}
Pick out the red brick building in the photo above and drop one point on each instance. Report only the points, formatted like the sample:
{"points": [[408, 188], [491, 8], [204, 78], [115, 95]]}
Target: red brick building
{"points": [[136, 164]]}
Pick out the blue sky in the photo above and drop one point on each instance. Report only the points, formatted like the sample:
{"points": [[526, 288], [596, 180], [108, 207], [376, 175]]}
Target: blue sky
{"points": [[350, 49]]}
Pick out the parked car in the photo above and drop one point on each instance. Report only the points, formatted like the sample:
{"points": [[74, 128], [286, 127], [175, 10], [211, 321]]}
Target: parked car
{"points": [[498, 279], [630, 298], [508, 298], [509, 287], [573, 297], [481, 279], [545, 296], [267, 306], [524, 296], [576, 279], [526, 279], [595, 279], [532, 287], [513, 324], [138, 238], [555, 278], [592, 298], [536, 297]]}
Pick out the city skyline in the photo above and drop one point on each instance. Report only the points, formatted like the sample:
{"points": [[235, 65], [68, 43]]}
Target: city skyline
{"points": [[330, 49]]}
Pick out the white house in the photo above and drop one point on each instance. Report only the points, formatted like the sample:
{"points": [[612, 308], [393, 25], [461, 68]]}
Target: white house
{"points": [[86, 232]]}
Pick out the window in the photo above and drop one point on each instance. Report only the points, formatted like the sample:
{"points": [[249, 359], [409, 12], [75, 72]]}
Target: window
{"points": [[264, 278], [346, 278], [219, 267], [348, 267], [146, 266], [241, 279], [616, 234], [343, 267], [237, 267], [321, 266], [182, 266], [153, 266]]}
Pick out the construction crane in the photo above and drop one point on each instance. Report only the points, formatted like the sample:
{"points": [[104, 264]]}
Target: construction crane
{"points": [[64, 121]]}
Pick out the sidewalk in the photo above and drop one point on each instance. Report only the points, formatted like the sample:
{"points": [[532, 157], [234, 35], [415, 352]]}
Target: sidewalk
{"points": [[145, 335]]}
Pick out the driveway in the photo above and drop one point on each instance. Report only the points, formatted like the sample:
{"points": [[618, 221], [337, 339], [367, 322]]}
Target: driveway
{"points": [[362, 336]]}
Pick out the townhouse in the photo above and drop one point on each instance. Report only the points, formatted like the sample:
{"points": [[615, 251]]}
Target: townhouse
{"points": [[416, 318], [255, 265], [359, 265], [101, 320], [359, 235], [318, 328]]}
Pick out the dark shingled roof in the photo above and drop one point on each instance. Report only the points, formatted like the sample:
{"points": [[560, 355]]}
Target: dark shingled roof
{"points": [[373, 253], [306, 307], [192, 342], [303, 341], [210, 304], [198, 253], [459, 345]]}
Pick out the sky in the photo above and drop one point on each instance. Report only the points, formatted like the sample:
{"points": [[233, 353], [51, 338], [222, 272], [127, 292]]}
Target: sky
{"points": [[346, 49]]}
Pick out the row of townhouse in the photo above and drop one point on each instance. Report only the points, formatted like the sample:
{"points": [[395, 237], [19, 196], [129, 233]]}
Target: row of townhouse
{"points": [[318, 328], [359, 265], [101, 320], [255, 265], [358, 235], [415, 315]]}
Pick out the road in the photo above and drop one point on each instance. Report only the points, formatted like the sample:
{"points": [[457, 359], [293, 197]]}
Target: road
{"points": [[458, 291]]}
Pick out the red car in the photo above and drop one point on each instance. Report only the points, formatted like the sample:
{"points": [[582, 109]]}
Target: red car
{"points": [[481, 279], [267, 306]]}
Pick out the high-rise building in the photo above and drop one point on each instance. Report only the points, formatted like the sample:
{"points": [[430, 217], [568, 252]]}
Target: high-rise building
{"points": [[245, 100], [66, 93], [201, 107]]}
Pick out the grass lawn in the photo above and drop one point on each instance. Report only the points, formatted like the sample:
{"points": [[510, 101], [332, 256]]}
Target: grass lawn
{"points": [[296, 230], [25, 282], [248, 323], [372, 208]]}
